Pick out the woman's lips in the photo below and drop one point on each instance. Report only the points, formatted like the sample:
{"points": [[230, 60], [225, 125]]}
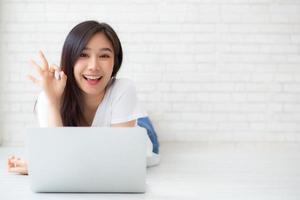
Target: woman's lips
{"points": [[92, 79]]}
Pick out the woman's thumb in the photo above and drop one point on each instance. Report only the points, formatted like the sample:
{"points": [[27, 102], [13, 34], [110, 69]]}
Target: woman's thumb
{"points": [[63, 76]]}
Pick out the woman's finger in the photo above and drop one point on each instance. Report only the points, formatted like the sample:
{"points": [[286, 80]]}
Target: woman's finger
{"points": [[57, 71], [45, 65], [54, 68], [36, 66], [63, 76], [34, 80]]}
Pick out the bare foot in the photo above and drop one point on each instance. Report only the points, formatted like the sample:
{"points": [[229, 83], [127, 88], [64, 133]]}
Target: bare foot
{"points": [[17, 165]]}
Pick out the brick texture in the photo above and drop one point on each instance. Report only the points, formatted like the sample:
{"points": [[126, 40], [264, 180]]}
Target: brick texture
{"points": [[226, 69]]}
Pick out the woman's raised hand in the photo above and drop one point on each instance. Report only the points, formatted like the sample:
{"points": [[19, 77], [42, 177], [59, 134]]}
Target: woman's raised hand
{"points": [[53, 87]]}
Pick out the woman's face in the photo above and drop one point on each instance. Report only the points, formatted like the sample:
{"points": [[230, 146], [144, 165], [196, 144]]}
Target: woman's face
{"points": [[94, 66]]}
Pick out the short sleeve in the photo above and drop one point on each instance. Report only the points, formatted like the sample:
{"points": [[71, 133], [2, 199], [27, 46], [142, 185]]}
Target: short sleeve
{"points": [[42, 110], [125, 106]]}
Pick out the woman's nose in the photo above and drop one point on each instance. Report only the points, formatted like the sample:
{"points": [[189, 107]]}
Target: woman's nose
{"points": [[93, 63]]}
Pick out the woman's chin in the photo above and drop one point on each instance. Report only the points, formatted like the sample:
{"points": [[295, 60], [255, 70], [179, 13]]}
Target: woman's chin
{"points": [[93, 88], [93, 91]]}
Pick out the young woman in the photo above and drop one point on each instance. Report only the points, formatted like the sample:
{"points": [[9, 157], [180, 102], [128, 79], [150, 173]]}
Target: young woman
{"points": [[84, 91]]}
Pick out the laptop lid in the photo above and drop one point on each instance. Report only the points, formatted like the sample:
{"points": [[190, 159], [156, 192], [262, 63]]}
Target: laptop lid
{"points": [[87, 159]]}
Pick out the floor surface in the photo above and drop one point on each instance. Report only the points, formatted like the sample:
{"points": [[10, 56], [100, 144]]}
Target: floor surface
{"points": [[204, 170]]}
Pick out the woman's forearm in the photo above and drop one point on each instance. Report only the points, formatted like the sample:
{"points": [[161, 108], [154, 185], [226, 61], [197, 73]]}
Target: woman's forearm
{"points": [[54, 117]]}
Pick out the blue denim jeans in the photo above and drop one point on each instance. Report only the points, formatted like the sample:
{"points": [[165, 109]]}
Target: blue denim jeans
{"points": [[147, 124]]}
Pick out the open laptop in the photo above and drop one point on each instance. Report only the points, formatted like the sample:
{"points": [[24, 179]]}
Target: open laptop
{"points": [[87, 159]]}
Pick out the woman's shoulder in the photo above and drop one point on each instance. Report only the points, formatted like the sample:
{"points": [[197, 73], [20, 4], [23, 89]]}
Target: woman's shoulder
{"points": [[122, 85], [123, 82]]}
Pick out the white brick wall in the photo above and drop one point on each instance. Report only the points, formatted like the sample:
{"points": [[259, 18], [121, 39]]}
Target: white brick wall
{"points": [[205, 69]]}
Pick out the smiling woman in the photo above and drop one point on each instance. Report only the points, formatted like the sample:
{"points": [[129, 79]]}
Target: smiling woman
{"points": [[87, 92]]}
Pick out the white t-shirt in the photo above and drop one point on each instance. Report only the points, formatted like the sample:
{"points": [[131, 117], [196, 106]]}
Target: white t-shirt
{"points": [[119, 105]]}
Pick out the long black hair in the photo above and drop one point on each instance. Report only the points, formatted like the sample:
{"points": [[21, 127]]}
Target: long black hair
{"points": [[71, 109]]}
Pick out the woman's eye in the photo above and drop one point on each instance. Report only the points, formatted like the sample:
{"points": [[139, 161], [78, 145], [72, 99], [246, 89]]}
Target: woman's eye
{"points": [[104, 56], [83, 55]]}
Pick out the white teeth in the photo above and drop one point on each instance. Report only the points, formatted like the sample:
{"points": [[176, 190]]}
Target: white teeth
{"points": [[92, 77]]}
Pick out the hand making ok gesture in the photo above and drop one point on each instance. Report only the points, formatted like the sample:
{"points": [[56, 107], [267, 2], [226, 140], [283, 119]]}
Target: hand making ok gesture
{"points": [[52, 86]]}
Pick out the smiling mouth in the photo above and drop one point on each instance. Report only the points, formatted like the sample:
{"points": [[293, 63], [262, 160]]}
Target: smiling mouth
{"points": [[92, 77], [92, 80]]}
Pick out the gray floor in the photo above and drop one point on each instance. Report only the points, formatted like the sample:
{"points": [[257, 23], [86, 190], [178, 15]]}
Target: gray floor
{"points": [[206, 170]]}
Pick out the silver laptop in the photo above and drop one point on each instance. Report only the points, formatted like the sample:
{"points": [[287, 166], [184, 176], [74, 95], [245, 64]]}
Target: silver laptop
{"points": [[87, 159]]}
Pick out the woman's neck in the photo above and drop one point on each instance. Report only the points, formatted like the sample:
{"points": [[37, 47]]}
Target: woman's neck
{"points": [[91, 103]]}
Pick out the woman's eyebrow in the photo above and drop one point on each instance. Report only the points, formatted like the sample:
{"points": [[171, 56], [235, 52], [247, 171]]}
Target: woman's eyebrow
{"points": [[105, 49], [101, 49]]}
